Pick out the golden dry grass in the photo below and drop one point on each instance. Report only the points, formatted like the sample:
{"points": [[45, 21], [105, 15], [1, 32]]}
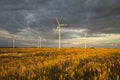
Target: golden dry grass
{"points": [[63, 64]]}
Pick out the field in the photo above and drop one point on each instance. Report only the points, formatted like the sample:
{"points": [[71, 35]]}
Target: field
{"points": [[59, 64]]}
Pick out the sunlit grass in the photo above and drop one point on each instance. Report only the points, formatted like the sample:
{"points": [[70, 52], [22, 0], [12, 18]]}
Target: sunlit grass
{"points": [[63, 64]]}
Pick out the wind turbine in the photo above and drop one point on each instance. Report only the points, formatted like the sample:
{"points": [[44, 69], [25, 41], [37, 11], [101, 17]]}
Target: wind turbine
{"points": [[85, 40], [39, 42], [13, 41], [58, 29]]}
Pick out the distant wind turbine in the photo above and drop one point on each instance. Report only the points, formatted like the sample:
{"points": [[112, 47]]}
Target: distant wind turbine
{"points": [[58, 29], [13, 41], [39, 42], [85, 40]]}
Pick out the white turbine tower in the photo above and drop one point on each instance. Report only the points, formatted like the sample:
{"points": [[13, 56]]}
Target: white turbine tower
{"points": [[85, 39], [58, 29], [13, 41], [39, 42]]}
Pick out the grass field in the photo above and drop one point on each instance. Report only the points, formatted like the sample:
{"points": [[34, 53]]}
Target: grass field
{"points": [[59, 64]]}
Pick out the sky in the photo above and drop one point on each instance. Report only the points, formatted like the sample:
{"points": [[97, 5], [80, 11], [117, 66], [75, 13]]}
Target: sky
{"points": [[27, 20]]}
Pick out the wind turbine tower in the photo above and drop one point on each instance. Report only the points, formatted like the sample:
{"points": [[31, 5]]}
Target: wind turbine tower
{"points": [[85, 40], [39, 42], [59, 29], [13, 41]]}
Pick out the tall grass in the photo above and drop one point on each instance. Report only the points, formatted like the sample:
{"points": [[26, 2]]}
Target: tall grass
{"points": [[63, 64]]}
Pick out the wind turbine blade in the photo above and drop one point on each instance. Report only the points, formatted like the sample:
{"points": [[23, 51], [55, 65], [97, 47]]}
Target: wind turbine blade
{"points": [[57, 21], [63, 24], [57, 28]]}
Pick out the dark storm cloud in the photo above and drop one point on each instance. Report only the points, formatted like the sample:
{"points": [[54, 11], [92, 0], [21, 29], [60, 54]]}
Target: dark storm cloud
{"points": [[97, 16], [82, 13], [14, 5]]}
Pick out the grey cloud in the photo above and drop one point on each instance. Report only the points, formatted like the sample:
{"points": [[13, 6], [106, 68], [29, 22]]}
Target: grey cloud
{"points": [[98, 16], [16, 5]]}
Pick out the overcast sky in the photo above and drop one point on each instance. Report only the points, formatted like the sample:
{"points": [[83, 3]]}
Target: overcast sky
{"points": [[29, 19]]}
